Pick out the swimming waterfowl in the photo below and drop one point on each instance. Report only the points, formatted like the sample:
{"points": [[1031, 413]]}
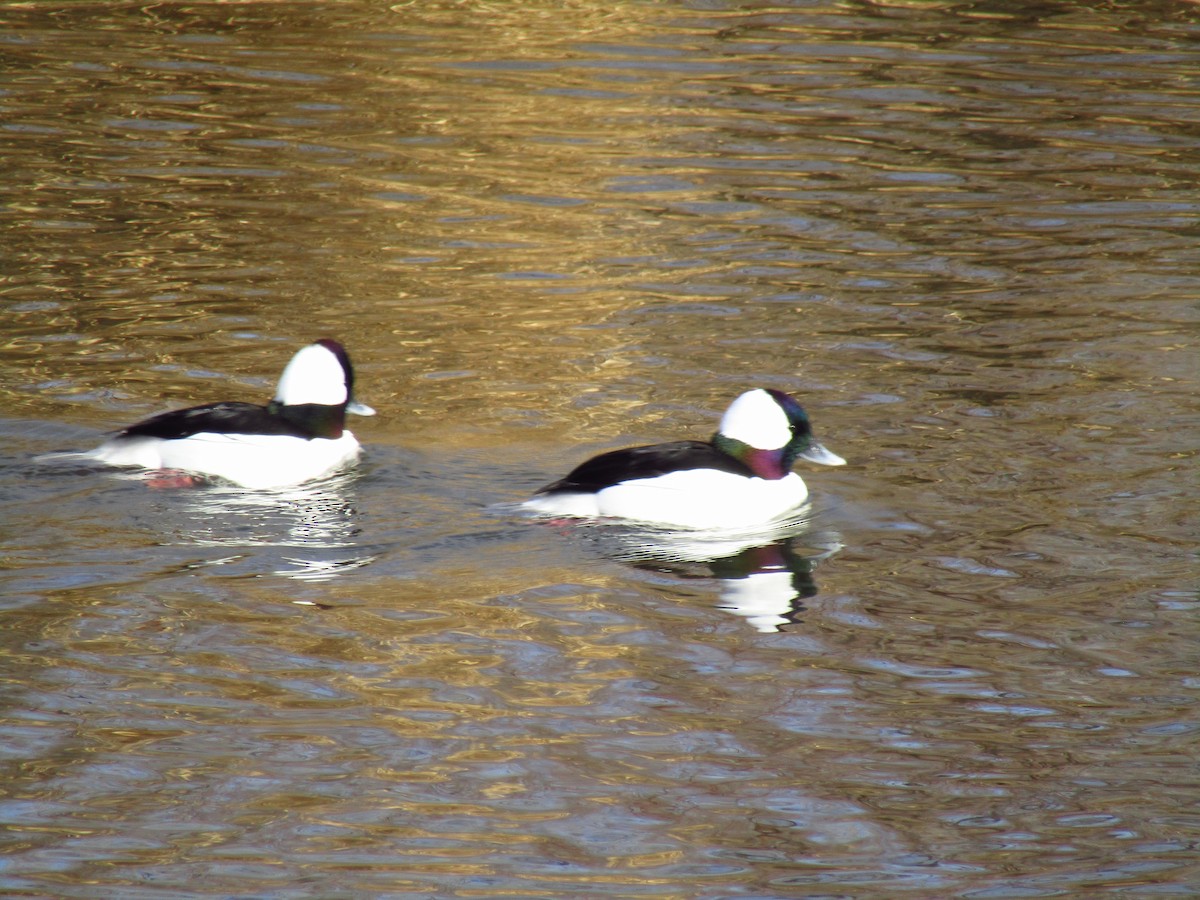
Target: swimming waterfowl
{"points": [[740, 478], [299, 436]]}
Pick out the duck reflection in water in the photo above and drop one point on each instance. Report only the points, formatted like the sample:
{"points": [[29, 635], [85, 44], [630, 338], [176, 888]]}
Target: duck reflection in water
{"points": [[310, 533], [763, 578]]}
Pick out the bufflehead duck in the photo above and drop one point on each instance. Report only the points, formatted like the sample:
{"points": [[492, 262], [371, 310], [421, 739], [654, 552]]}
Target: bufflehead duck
{"points": [[741, 478], [299, 436]]}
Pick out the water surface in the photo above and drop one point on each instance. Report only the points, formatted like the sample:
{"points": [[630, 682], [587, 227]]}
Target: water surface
{"points": [[963, 235]]}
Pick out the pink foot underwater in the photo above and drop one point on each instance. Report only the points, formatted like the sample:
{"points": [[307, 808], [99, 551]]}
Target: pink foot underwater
{"points": [[172, 479]]}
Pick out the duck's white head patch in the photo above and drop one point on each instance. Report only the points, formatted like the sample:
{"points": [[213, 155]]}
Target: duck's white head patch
{"points": [[757, 420], [314, 375]]}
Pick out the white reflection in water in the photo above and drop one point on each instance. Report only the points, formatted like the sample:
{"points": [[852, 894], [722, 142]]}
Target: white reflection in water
{"points": [[763, 576], [307, 522], [313, 528], [309, 532]]}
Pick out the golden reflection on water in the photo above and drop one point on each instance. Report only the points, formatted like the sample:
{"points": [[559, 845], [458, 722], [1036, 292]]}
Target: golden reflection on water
{"points": [[964, 236]]}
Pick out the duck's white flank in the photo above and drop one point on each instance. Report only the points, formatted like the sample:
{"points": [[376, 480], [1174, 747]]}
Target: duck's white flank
{"points": [[692, 498], [256, 461]]}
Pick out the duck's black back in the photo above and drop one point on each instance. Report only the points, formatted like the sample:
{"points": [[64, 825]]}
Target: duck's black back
{"points": [[650, 461], [220, 418]]}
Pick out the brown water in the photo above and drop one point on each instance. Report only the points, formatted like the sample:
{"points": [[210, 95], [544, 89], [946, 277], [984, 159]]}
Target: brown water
{"points": [[964, 235]]}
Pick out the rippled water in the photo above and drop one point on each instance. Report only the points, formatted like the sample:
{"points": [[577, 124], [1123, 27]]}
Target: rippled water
{"points": [[964, 235]]}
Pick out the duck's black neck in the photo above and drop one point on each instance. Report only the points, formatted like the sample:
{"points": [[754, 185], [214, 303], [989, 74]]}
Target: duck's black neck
{"points": [[769, 464], [315, 420]]}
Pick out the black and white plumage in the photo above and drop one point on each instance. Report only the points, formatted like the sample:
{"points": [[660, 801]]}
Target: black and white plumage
{"points": [[299, 436], [741, 478]]}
